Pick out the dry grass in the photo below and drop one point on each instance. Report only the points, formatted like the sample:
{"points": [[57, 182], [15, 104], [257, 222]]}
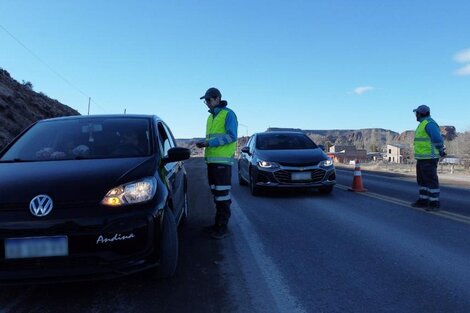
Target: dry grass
{"points": [[445, 171]]}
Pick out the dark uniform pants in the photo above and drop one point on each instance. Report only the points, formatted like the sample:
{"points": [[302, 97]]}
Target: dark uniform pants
{"points": [[428, 182], [220, 182]]}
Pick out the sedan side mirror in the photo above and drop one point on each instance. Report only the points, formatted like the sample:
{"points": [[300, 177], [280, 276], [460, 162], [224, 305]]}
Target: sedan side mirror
{"points": [[246, 150], [176, 154]]}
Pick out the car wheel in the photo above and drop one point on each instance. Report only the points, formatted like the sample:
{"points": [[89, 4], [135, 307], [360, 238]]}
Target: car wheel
{"points": [[168, 245], [255, 191], [326, 190], [241, 181]]}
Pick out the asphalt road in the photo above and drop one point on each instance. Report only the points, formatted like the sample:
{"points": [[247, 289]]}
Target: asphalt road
{"points": [[296, 252]]}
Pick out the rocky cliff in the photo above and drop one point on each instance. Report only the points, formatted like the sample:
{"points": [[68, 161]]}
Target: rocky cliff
{"points": [[371, 139], [20, 106]]}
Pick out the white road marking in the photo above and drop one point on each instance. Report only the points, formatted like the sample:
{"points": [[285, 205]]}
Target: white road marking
{"points": [[283, 300], [446, 214]]}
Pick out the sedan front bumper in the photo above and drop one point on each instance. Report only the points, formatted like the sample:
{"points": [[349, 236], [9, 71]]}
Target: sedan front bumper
{"points": [[295, 177]]}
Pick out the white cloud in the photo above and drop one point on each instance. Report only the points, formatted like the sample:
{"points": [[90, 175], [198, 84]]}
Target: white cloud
{"points": [[463, 71], [463, 56], [363, 89]]}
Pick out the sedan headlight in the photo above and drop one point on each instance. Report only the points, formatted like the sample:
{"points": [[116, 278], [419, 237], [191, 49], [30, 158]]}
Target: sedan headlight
{"points": [[326, 163], [135, 192], [267, 164]]}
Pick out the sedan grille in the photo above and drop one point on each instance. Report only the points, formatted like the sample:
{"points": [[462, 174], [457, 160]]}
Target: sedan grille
{"points": [[299, 164], [285, 177]]}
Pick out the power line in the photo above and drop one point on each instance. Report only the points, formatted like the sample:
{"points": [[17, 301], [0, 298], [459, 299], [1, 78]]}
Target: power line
{"points": [[49, 67]]}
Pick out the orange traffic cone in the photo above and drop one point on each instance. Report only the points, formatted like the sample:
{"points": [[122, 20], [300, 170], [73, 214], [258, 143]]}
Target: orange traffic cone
{"points": [[357, 179]]}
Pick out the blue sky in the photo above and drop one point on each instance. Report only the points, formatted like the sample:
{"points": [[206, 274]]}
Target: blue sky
{"points": [[307, 64]]}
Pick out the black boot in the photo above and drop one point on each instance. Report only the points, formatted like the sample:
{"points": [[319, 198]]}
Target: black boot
{"points": [[420, 203], [220, 232], [433, 206], [209, 229]]}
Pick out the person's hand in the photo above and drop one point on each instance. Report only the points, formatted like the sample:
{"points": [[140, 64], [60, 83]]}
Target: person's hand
{"points": [[442, 153], [201, 144]]}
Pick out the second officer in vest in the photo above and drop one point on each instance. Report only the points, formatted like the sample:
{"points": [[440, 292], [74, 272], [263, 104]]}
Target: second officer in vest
{"points": [[220, 145], [428, 148]]}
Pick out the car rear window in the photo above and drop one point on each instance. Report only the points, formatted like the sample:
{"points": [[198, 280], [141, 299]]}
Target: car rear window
{"points": [[284, 142], [83, 138]]}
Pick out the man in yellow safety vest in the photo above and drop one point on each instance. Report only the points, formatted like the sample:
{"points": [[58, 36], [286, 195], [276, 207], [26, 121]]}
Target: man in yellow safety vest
{"points": [[220, 145], [428, 148]]}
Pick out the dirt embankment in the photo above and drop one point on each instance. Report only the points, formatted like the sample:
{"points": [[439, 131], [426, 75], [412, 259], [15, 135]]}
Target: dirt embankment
{"points": [[455, 175], [20, 106]]}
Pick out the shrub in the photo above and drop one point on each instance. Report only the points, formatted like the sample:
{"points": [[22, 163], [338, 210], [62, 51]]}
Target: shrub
{"points": [[28, 85]]}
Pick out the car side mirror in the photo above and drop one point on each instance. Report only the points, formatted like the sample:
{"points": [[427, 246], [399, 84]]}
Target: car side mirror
{"points": [[176, 154], [322, 147], [246, 150]]}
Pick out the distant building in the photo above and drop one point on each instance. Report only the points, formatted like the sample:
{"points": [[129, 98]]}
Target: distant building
{"points": [[398, 153], [345, 154], [451, 160], [375, 156], [340, 148]]}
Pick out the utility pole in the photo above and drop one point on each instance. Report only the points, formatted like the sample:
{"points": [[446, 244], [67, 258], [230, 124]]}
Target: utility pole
{"points": [[246, 127], [89, 100], [124, 111]]}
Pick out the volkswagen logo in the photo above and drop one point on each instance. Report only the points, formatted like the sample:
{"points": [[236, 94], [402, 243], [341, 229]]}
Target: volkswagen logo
{"points": [[41, 205]]}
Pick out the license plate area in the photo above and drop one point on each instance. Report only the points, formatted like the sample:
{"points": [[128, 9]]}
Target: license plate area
{"points": [[301, 176], [36, 247]]}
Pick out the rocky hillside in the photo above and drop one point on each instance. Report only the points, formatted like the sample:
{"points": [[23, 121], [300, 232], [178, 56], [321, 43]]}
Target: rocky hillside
{"points": [[371, 139], [20, 106], [448, 132], [195, 151]]}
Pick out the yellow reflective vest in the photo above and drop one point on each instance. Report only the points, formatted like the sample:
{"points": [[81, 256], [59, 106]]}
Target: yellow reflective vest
{"points": [[423, 147], [216, 128]]}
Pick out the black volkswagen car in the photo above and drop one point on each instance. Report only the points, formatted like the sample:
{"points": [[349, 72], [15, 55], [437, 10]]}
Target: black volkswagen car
{"points": [[91, 197], [284, 159]]}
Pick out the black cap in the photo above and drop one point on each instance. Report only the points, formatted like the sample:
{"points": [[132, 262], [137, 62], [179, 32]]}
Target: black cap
{"points": [[422, 109], [212, 93]]}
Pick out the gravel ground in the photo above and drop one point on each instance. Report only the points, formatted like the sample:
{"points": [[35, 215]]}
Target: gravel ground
{"points": [[460, 176]]}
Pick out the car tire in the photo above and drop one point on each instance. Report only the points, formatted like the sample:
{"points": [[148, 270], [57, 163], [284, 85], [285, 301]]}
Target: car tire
{"points": [[241, 181], [255, 191], [326, 190], [168, 245]]}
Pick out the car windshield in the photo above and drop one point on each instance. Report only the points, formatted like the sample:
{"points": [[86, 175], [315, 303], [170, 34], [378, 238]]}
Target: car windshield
{"points": [[284, 142], [82, 139]]}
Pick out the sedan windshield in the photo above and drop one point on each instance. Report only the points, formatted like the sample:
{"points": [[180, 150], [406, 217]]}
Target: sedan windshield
{"points": [[284, 142], [82, 139]]}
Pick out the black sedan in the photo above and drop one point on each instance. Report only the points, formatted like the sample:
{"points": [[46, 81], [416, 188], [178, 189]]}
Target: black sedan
{"points": [[91, 197], [285, 159]]}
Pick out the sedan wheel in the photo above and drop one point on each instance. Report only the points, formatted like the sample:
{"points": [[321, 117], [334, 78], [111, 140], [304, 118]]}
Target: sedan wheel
{"points": [[241, 181], [255, 191]]}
